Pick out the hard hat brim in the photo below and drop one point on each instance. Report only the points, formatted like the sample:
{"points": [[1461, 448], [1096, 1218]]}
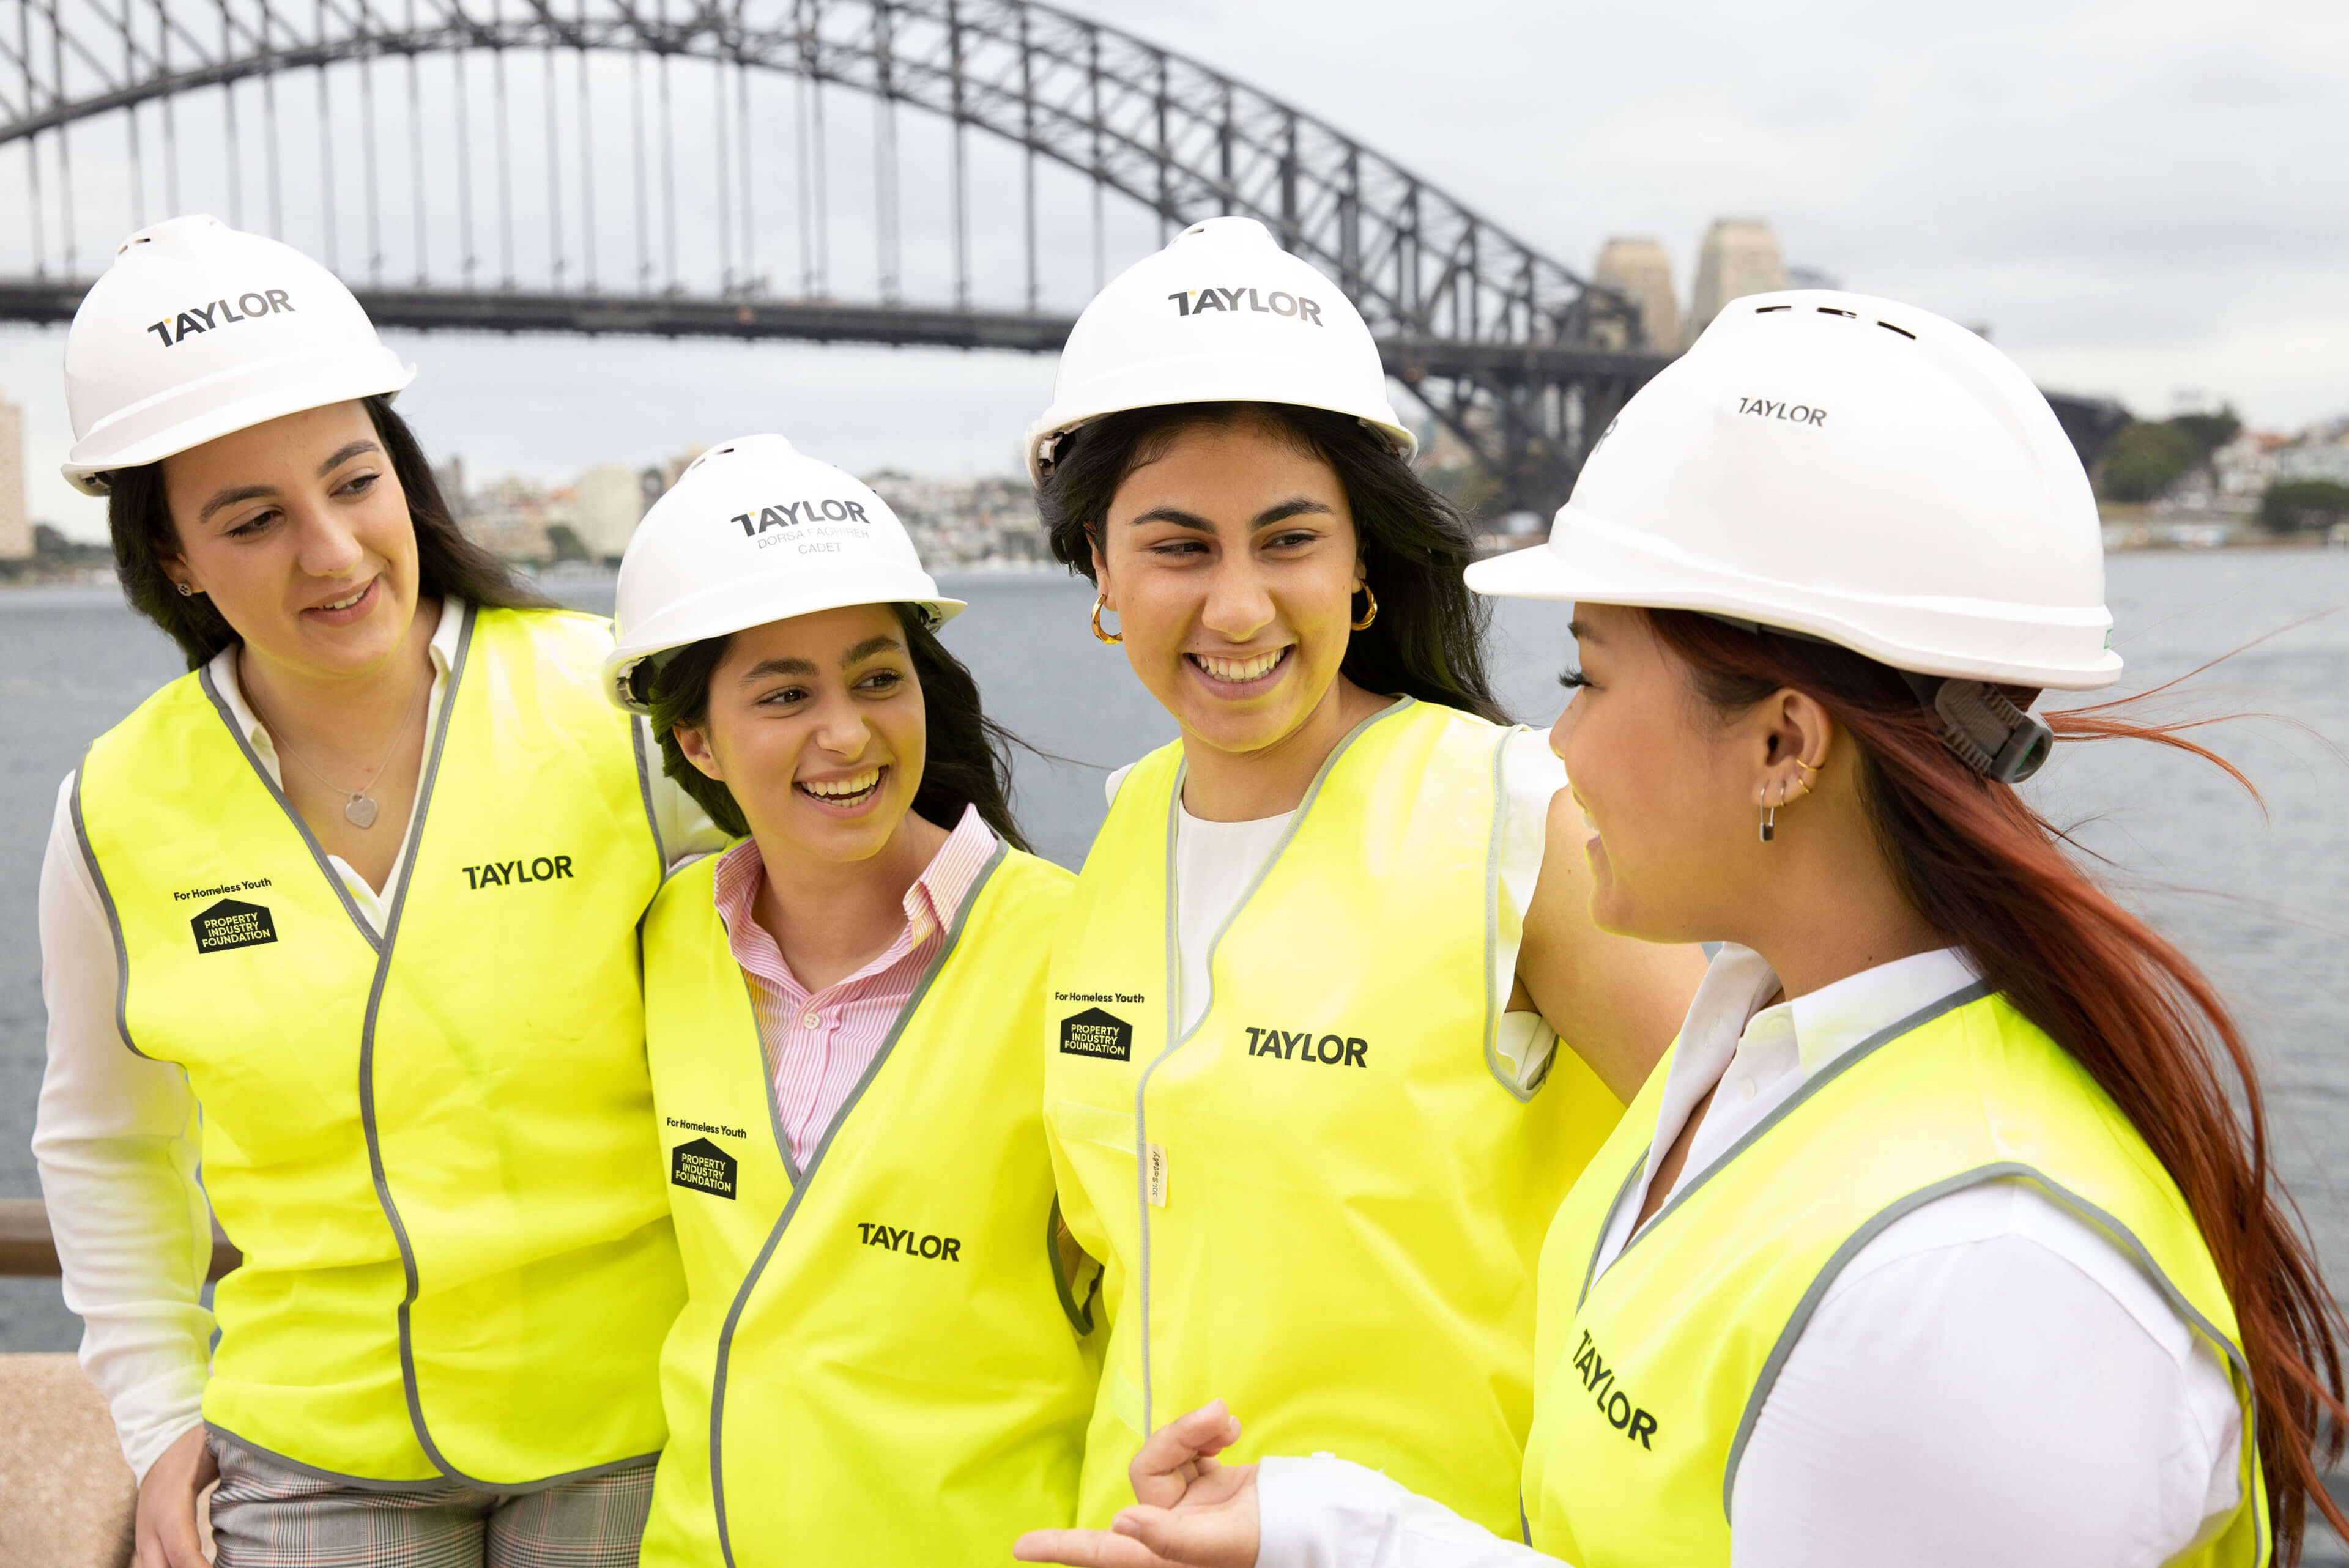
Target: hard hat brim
{"points": [[189, 415], [725, 609], [1589, 562]]}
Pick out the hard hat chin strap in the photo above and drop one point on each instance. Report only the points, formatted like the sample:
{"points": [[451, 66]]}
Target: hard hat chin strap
{"points": [[1988, 730]]}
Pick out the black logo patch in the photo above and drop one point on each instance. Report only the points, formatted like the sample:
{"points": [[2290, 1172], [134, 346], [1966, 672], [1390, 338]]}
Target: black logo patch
{"points": [[1093, 1033], [230, 924], [703, 1166]]}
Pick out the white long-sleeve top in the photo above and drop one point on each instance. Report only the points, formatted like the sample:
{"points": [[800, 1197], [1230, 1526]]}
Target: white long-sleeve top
{"points": [[2108, 1438], [115, 1137]]}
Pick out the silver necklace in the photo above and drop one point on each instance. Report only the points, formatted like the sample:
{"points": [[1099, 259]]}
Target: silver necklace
{"points": [[360, 809]]}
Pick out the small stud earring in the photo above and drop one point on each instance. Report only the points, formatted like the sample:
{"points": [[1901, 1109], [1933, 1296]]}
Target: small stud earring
{"points": [[185, 591]]}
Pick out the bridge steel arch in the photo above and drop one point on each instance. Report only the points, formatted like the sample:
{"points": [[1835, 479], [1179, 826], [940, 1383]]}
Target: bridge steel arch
{"points": [[1519, 356]]}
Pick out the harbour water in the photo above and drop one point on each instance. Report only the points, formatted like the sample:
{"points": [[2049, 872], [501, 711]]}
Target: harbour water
{"points": [[2262, 899]]}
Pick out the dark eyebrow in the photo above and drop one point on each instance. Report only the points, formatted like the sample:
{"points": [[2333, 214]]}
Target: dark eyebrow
{"points": [[868, 648], [1280, 511], [346, 455], [766, 667], [231, 496], [1580, 632], [1176, 516], [1296, 506]]}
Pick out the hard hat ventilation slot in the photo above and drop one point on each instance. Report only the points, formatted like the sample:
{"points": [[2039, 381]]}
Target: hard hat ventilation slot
{"points": [[1830, 310], [1766, 309], [1901, 330]]}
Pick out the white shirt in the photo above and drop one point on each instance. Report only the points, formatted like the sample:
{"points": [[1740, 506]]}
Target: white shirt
{"points": [[1216, 864], [2108, 1438], [117, 1135]]}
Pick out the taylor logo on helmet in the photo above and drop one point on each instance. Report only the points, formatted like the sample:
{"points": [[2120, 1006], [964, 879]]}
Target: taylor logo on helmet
{"points": [[791, 513], [1278, 302], [220, 313]]}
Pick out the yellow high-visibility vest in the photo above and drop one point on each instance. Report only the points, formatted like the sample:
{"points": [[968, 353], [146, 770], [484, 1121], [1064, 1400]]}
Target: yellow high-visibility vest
{"points": [[878, 1363], [1654, 1373], [1338, 1207], [435, 1147]]}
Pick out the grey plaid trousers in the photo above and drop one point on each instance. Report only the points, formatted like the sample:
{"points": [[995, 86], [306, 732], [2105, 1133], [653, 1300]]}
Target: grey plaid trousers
{"points": [[269, 1515]]}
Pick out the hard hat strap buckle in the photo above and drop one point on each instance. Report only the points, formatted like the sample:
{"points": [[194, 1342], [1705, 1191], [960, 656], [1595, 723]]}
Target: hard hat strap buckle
{"points": [[1990, 733]]}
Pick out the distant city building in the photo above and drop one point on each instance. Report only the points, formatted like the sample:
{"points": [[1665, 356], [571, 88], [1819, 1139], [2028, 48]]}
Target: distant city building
{"points": [[2313, 458], [988, 521], [1739, 257], [610, 502], [511, 517], [2243, 469], [1639, 270], [15, 523]]}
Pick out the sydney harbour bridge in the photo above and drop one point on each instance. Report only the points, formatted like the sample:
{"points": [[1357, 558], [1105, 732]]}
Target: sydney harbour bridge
{"points": [[956, 173]]}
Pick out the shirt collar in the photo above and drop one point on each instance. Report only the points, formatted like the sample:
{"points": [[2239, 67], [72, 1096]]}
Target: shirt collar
{"points": [[1828, 1022], [931, 904], [443, 650]]}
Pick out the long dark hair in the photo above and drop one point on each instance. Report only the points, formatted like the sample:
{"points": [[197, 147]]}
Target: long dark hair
{"points": [[139, 517], [968, 760], [1991, 875], [1428, 641]]}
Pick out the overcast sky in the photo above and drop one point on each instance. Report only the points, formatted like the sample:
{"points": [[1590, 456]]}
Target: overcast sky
{"points": [[2142, 199]]}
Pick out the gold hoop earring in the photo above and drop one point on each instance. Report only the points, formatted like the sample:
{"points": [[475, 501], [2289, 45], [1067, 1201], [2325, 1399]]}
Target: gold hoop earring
{"points": [[1369, 615], [1099, 602]]}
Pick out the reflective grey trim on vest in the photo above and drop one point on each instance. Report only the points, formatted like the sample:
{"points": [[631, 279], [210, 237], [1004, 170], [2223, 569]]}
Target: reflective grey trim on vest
{"points": [[800, 1187], [276, 793], [1176, 1039], [419, 823], [1591, 1273], [113, 916], [1525, 1530], [1843, 1064], [1493, 937], [645, 792], [2004, 1170], [368, 1484]]}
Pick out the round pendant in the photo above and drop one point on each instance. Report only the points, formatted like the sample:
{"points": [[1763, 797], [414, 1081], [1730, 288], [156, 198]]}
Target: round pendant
{"points": [[361, 810]]}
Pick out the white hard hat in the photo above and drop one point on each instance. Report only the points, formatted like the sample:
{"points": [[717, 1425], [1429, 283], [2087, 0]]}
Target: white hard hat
{"points": [[1221, 314], [198, 329], [753, 532], [1855, 470]]}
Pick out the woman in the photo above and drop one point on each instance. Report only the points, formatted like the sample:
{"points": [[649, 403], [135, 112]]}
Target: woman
{"points": [[881, 1358], [1321, 953], [1939, 1240], [344, 919]]}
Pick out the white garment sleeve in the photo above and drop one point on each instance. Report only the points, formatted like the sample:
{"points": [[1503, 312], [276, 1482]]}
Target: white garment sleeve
{"points": [[1531, 776], [2000, 1384], [114, 1139], [684, 829], [1326, 1513]]}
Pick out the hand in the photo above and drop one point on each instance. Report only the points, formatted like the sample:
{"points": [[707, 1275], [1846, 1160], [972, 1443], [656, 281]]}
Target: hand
{"points": [[1193, 1511], [166, 1536]]}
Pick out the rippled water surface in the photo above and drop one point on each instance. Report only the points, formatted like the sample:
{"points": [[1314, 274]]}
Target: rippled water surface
{"points": [[2260, 898]]}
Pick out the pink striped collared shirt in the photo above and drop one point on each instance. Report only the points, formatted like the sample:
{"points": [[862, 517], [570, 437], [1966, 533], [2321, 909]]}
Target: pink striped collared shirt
{"points": [[818, 1044]]}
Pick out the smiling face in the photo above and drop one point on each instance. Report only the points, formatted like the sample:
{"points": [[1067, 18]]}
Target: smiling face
{"points": [[1231, 561], [816, 726], [300, 532], [1667, 787]]}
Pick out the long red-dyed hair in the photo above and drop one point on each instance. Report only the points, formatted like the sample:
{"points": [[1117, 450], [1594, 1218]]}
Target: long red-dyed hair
{"points": [[1992, 875]]}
